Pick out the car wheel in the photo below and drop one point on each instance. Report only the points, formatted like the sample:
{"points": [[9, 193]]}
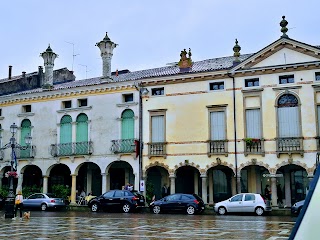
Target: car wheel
{"points": [[191, 210], [259, 211], [94, 207], [126, 208], [43, 206], [156, 209], [222, 210]]}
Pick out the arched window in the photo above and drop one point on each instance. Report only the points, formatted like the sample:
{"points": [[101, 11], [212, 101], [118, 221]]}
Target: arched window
{"points": [[82, 128], [288, 116], [127, 124], [25, 130], [65, 147]]}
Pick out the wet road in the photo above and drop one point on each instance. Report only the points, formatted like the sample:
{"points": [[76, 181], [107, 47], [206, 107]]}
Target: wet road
{"points": [[87, 225]]}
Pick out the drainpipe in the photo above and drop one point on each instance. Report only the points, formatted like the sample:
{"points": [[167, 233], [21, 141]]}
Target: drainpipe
{"points": [[235, 130]]}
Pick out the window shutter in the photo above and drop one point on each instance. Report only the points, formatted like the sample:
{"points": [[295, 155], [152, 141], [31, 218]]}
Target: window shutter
{"points": [[157, 129], [82, 128], [66, 129], [253, 123], [127, 125], [218, 125], [288, 122], [25, 130]]}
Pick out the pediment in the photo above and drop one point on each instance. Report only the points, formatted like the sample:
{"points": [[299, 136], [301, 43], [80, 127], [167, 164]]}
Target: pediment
{"points": [[281, 52]]}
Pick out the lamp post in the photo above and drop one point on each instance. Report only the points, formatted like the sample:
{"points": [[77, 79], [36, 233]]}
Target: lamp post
{"points": [[142, 92], [9, 206]]}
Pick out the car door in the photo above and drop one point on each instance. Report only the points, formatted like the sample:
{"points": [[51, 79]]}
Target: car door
{"points": [[184, 202], [107, 199], [235, 203], [33, 201], [249, 202], [118, 199]]}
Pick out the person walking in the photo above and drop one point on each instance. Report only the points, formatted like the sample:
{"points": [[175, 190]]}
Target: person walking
{"points": [[18, 204], [267, 192], [164, 190]]}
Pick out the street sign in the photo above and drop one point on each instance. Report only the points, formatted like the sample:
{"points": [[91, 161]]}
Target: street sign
{"points": [[273, 175], [141, 185]]}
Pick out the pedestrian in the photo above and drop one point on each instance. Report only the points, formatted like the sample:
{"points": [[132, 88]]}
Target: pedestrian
{"points": [[267, 192], [18, 204], [164, 190], [130, 187], [280, 196]]}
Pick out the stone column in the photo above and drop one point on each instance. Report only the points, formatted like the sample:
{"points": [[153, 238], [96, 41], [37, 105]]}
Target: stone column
{"points": [[108, 181], [74, 131], [233, 185], [137, 182], [196, 183], [73, 188], [172, 184], [274, 195], [211, 187], [239, 183], [204, 188], [287, 188], [45, 184], [20, 181], [89, 180], [104, 183]]}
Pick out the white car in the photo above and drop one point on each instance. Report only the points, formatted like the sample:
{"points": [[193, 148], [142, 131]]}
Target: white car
{"points": [[243, 202]]}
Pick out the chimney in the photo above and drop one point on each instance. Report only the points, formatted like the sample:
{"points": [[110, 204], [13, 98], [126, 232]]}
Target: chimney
{"points": [[106, 47], [10, 72], [24, 74], [48, 56]]}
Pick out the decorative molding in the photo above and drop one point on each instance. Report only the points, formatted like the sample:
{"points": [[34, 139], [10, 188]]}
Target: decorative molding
{"points": [[286, 88], [28, 114], [127, 104], [65, 110]]}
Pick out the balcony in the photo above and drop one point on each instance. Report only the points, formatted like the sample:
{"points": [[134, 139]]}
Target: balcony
{"points": [[123, 146], [253, 146], [217, 147], [290, 145], [68, 149], [157, 149], [27, 153]]}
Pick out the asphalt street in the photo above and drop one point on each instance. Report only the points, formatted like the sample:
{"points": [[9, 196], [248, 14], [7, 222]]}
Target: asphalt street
{"points": [[102, 225]]}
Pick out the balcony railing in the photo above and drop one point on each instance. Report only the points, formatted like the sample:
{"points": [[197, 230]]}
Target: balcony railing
{"points": [[27, 153], [216, 147], [75, 148], [253, 146], [157, 149], [123, 146], [290, 145]]}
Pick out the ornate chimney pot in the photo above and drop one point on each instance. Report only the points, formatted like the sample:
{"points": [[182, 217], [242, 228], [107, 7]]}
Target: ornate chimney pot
{"points": [[48, 56]]}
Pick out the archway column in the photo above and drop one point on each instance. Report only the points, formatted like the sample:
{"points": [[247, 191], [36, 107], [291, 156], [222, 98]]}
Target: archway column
{"points": [[137, 182], [233, 185], [287, 188], [73, 188], [274, 195], [239, 183], [196, 182], [210, 187], [204, 188], [89, 180], [20, 181], [45, 184], [172, 184], [104, 183]]}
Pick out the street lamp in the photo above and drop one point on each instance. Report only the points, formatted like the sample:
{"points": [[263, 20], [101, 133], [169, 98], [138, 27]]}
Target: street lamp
{"points": [[9, 206]]}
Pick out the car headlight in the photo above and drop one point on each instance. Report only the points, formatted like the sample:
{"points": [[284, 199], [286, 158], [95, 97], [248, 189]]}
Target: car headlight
{"points": [[294, 205]]}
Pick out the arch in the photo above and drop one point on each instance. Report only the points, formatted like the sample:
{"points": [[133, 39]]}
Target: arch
{"points": [[188, 179], [120, 173], [156, 178], [60, 174], [285, 163], [219, 162], [184, 164], [89, 178], [32, 177], [254, 162], [287, 92], [156, 164]]}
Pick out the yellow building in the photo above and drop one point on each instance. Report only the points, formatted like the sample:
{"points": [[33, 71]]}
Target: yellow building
{"points": [[235, 124]]}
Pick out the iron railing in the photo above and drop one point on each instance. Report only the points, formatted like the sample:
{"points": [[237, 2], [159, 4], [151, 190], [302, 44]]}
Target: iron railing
{"points": [[157, 149], [123, 146], [216, 147], [290, 145], [25, 153], [253, 146], [74, 148]]}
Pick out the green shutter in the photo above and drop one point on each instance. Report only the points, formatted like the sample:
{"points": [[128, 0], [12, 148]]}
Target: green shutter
{"points": [[25, 130], [82, 134], [127, 125], [65, 135]]}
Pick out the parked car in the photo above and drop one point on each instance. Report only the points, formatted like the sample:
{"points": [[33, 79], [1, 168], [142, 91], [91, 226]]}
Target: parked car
{"points": [[43, 201], [188, 203], [244, 202], [2, 201], [121, 199], [296, 208]]}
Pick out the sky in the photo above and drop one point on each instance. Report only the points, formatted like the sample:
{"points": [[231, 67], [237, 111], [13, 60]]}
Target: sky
{"points": [[150, 34]]}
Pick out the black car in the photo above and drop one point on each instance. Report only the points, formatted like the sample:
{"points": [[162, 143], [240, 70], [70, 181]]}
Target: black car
{"points": [[121, 199], [2, 201], [188, 203], [296, 208]]}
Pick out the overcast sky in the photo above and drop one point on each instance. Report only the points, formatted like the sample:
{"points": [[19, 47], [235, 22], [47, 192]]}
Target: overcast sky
{"points": [[149, 33]]}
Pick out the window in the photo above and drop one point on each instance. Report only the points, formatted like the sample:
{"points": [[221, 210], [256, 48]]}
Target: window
{"points": [[249, 197], [128, 97], [0, 112], [157, 145], [108, 194], [236, 198], [217, 86], [81, 102], [26, 108], [157, 129], [66, 104], [119, 194], [254, 82], [82, 144], [253, 123], [65, 135], [217, 124], [25, 131], [317, 74], [286, 79], [157, 91]]}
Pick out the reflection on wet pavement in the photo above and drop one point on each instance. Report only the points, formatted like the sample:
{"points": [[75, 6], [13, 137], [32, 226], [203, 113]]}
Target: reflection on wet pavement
{"points": [[144, 226]]}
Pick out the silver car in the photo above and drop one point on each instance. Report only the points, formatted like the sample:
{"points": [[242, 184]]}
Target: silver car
{"points": [[243, 202], [43, 201]]}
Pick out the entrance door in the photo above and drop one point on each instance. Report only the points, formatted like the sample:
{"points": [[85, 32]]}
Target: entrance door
{"points": [[117, 178]]}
